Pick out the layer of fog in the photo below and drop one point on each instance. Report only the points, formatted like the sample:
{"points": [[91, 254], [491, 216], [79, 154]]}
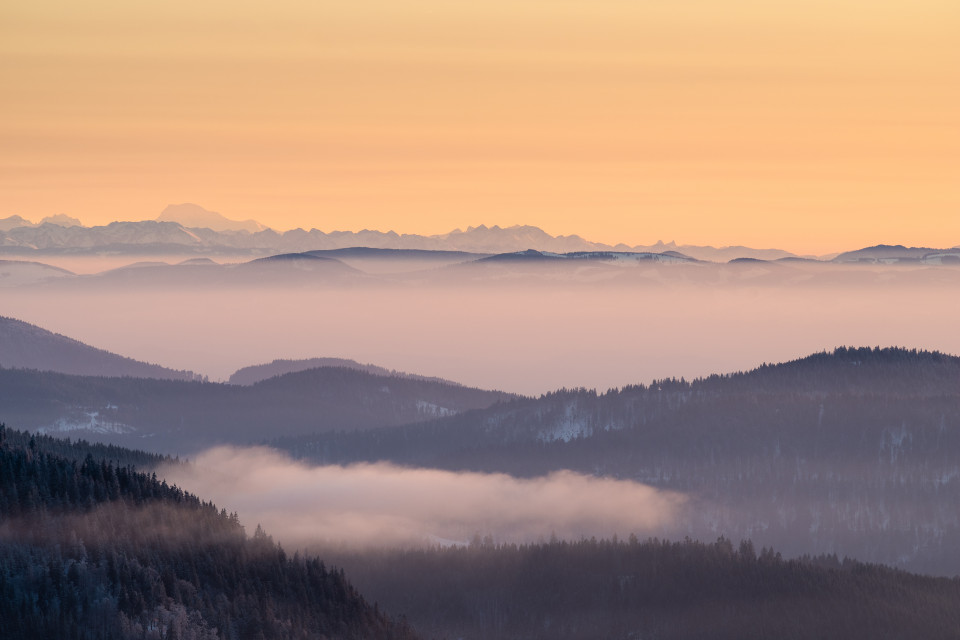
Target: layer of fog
{"points": [[382, 504], [528, 339], [83, 264]]}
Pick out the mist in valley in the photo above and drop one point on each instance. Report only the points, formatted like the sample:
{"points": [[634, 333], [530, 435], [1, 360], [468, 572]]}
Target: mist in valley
{"points": [[381, 505], [527, 331]]}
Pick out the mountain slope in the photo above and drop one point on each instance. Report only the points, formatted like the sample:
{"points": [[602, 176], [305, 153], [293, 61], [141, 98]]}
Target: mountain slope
{"points": [[27, 346], [628, 589], [12, 222], [92, 550], [179, 416], [195, 216], [852, 452]]}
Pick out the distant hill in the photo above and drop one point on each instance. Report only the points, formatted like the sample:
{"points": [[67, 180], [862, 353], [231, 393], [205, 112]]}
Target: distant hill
{"points": [[394, 261], [611, 257], [195, 216], [853, 451], [256, 373], [898, 254], [93, 550], [437, 255], [284, 270], [181, 417], [18, 273], [27, 346]]}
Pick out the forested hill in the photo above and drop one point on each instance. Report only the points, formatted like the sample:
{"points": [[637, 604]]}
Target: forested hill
{"points": [[842, 402], [854, 452], [79, 450], [182, 417], [631, 589], [865, 370], [27, 346], [92, 550]]}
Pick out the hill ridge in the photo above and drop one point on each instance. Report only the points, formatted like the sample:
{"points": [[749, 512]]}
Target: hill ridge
{"points": [[28, 346]]}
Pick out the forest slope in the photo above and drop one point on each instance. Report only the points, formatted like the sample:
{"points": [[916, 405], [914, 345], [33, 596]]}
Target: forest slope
{"points": [[92, 550], [854, 452], [179, 417], [627, 589]]}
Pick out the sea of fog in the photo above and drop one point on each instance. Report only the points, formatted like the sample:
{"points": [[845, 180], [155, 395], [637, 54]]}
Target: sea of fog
{"points": [[528, 338]]}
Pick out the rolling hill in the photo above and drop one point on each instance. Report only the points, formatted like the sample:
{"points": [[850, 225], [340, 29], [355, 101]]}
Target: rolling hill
{"points": [[258, 372], [853, 452], [169, 416], [27, 346]]}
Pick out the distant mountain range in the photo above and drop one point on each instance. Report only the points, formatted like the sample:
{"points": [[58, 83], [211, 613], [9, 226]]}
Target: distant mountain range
{"points": [[163, 236], [27, 346], [60, 220], [191, 229]]}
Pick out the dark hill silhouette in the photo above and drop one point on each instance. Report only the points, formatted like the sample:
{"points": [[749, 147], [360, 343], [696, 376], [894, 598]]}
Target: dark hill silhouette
{"points": [[374, 252], [17, 273], [181, 417], [532, 255], [293, 257], [256, 373], [284, 270], [898, 253], [27, 346]]}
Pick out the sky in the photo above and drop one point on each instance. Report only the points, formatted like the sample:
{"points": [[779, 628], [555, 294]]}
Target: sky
{"points": [[811, 126]]}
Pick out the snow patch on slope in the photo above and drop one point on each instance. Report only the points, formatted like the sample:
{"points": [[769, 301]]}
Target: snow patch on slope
{"points": [[90, 421], [431, 409]]}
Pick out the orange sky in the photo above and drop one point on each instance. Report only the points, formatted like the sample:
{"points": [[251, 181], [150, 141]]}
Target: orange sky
{"points": [[810, 125]]}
